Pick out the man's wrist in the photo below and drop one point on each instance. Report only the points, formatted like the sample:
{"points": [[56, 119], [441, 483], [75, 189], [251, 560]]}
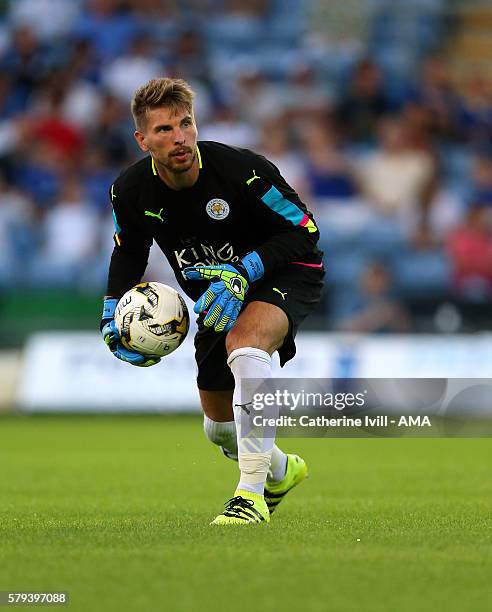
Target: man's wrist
{"points": [[253, 265]]}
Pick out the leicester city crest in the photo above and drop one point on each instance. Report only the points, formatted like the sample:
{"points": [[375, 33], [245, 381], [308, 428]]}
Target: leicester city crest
{"points": [[217, 209]]}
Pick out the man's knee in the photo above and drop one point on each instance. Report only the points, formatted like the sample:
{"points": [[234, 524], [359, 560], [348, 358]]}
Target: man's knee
{"points": [[242, 336], [261, 325]]}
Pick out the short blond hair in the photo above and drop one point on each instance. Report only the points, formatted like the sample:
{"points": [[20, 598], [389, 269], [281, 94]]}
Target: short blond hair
{"points": [[174, 94]]}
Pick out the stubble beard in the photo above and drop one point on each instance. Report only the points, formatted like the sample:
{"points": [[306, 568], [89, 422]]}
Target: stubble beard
{"points": [[179, 168]]}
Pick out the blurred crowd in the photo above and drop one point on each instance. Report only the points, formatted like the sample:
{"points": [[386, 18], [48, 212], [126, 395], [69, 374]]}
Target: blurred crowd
{"points": [[396, 168]]}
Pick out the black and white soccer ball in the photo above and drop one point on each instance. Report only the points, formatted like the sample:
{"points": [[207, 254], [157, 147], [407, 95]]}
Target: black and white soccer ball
{"points": [[152, 319]]}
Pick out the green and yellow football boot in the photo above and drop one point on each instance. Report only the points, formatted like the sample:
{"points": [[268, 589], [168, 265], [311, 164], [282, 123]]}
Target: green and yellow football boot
{"points": [[244, 508], [295, 473]]}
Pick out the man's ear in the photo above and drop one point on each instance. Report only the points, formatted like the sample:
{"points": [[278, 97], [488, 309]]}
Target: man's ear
{"points": [[141, 140]]}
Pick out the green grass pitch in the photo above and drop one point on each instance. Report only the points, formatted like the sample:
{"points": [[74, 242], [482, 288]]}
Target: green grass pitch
{"points": [[115, 510]]}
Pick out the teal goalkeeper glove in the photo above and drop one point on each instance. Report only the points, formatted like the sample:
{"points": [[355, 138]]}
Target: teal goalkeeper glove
{"points": [[112, 338], [225, 297]]}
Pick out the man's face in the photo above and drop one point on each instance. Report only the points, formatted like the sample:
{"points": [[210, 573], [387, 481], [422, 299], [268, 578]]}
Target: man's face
{"points": [[170, 138]]}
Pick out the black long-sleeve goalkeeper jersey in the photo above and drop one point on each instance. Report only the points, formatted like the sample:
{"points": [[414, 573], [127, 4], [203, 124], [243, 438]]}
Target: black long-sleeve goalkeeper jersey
{"points": [[240, 203]]}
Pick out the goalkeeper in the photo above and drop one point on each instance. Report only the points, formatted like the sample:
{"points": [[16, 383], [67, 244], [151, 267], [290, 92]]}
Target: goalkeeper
{"points": [[243, 246]]}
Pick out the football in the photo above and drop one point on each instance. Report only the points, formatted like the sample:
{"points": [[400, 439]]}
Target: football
{"points": [[152, 319]]}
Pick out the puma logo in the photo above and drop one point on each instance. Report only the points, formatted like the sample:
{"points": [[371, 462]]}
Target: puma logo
{"points": [[255, 176], [280, 292], [148, 213], [245, 407]]}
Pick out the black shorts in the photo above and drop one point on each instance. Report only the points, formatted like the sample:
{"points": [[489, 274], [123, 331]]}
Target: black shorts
{"points": [[295, 289]]}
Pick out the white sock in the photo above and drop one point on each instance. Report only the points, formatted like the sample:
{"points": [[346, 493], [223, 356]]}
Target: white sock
{"points": [[254, 449], [223, 434], [278, 465]]}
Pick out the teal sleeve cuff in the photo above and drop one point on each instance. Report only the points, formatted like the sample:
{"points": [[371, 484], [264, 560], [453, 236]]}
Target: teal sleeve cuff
{"points": [[109, 307]]}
